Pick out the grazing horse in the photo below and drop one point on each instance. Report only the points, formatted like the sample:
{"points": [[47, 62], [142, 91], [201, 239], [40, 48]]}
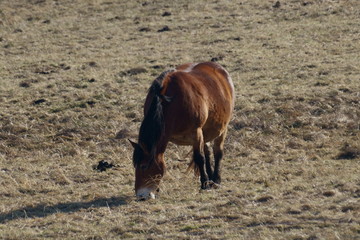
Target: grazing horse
{"points": [[189, 105]]}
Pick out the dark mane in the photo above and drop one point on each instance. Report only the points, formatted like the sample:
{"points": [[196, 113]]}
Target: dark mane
{"points": [[152, 127], [162, 76]]}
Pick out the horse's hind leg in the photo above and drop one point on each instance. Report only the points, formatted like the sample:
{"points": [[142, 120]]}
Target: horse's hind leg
{"points": [[208, 161], [199, 158], [218, 149]]}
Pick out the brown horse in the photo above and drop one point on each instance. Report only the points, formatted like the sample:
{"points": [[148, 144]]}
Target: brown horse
{"points": [[189, 105]]}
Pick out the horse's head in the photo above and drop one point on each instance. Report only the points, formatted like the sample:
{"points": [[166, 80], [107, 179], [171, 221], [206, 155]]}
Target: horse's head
{"points": [[149, 170]]}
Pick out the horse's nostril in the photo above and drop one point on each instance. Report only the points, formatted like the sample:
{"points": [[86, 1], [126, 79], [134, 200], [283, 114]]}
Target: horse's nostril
{"points": [[141, 199]]}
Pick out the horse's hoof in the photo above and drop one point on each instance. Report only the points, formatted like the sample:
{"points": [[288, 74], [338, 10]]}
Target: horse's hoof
{"points": [[208, 185]]}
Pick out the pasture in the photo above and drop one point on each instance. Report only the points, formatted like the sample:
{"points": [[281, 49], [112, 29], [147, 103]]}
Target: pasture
{"points": [[73, 79]]}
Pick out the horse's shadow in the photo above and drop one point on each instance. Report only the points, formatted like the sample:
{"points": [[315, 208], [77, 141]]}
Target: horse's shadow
{"points": [[43, 210]]}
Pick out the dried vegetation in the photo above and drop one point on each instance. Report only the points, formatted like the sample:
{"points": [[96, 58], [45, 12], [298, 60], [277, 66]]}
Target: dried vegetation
{"points": [[73, 77]]}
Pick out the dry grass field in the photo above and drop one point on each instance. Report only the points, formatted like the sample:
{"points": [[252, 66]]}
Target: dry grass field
{"points": [[73, 78]]}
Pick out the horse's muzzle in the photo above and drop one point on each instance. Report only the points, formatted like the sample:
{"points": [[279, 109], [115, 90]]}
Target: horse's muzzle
{"points": [[144, 194]]}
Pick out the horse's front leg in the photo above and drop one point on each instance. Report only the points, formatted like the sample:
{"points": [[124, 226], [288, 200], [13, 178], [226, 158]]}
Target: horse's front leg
{"points": [[199, 159]]}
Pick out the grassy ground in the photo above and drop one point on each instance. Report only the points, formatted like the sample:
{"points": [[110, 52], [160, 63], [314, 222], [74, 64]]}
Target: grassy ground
{"points": [[73, 78]]}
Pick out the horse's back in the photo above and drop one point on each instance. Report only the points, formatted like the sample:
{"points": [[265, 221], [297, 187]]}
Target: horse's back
{"points": [[201, 96]]}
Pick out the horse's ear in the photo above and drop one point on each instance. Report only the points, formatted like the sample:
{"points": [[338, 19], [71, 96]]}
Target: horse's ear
{"points": [[134, 144], [139, 146]]}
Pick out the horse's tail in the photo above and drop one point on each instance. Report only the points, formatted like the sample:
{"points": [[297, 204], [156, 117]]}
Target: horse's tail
{"points": [[193, 166]]}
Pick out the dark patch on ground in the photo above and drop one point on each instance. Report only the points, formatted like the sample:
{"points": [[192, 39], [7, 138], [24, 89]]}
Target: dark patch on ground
{"points": [[264, 199], [164, 29], [103, 166], [348, 152], [39, 101], [133, 71]]}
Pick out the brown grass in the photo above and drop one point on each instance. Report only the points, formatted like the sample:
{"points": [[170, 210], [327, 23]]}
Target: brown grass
{"points": [[73, 77]]}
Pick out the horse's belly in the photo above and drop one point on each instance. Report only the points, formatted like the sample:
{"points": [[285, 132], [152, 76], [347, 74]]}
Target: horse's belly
{"points": [[182, 139], [209, 134]]}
